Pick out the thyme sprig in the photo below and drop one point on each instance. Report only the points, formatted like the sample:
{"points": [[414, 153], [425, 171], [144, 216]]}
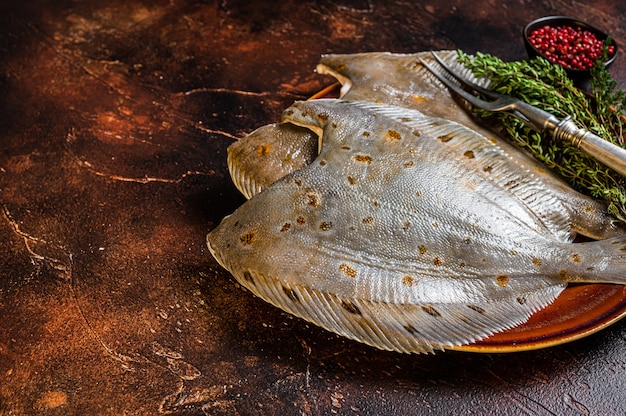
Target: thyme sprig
{"points": [[547, 86]]}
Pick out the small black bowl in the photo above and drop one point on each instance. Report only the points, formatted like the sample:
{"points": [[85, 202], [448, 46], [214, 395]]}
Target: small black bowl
{"points": [[558, 21]]}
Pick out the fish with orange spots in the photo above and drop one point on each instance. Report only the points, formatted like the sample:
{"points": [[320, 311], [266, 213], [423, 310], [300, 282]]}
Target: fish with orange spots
{"points": [[390, 234]]}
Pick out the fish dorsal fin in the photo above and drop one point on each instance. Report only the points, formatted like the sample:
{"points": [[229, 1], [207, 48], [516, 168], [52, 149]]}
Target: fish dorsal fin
{"points": [[407, 328]]}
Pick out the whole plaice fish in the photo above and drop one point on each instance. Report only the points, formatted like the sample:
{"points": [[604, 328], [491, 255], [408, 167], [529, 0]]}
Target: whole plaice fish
{"points": [[409, 232]]}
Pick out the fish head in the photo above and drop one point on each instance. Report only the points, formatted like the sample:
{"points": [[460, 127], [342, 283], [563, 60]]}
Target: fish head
{"points": [[268, 154]]}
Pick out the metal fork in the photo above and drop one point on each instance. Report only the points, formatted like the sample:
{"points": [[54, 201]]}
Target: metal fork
{"points": [[603, 151]]}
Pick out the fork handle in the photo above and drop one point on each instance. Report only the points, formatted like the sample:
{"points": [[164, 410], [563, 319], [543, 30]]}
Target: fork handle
{"points": [[603, 151]]}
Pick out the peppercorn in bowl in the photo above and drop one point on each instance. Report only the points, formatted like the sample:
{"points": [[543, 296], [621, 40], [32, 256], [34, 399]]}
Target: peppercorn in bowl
{"points": [[571, 43]]}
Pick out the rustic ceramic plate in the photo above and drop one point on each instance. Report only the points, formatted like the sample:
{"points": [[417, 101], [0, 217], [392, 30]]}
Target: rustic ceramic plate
{"points": [[579, 311]]}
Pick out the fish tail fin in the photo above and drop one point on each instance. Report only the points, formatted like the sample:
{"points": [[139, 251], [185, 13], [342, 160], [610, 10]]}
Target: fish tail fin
{"points": [[602, 261]]}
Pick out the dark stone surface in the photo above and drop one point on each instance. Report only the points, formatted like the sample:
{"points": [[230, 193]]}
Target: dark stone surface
{"points": [[115, 118]]}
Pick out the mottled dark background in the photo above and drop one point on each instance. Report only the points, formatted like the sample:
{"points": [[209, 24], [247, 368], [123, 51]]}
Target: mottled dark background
{"points": [[114, 121]]}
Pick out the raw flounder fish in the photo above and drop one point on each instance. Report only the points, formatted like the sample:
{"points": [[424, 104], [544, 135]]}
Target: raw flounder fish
{"points": [[410, 232]]}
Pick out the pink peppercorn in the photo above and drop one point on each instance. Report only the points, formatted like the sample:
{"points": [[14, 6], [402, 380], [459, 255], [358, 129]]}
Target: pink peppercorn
{"points": [[571, 47]]}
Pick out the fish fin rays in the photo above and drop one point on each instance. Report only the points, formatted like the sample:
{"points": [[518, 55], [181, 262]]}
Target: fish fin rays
{"points": [[587, 258], [407, 328]]}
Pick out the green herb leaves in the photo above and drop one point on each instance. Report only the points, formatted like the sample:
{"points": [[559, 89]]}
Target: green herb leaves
{"points": [[547, 86]]}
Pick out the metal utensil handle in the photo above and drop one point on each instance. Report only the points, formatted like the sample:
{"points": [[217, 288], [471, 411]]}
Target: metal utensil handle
{"points": [[603, 151]]}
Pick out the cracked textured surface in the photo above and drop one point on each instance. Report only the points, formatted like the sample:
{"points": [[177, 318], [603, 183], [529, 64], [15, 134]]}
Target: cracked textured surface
{"points": [[115, 121]]}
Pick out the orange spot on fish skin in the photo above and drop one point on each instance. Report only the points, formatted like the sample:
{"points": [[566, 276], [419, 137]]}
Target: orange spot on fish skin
{"points": [[347, 270], [300, 220], [393, 135], [502, 280], [286, 226], [368, 220], [366, 133], [488, 169], [423, 249], [437, 261], [247, 238], [263, 150], [408, 280], [326, 226], [576, 258], [363, 158], [416, 133], [446, 138], [536, 261], [469, 154], [312, 199], [351, 180], [419, 99], [408, 164]]}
